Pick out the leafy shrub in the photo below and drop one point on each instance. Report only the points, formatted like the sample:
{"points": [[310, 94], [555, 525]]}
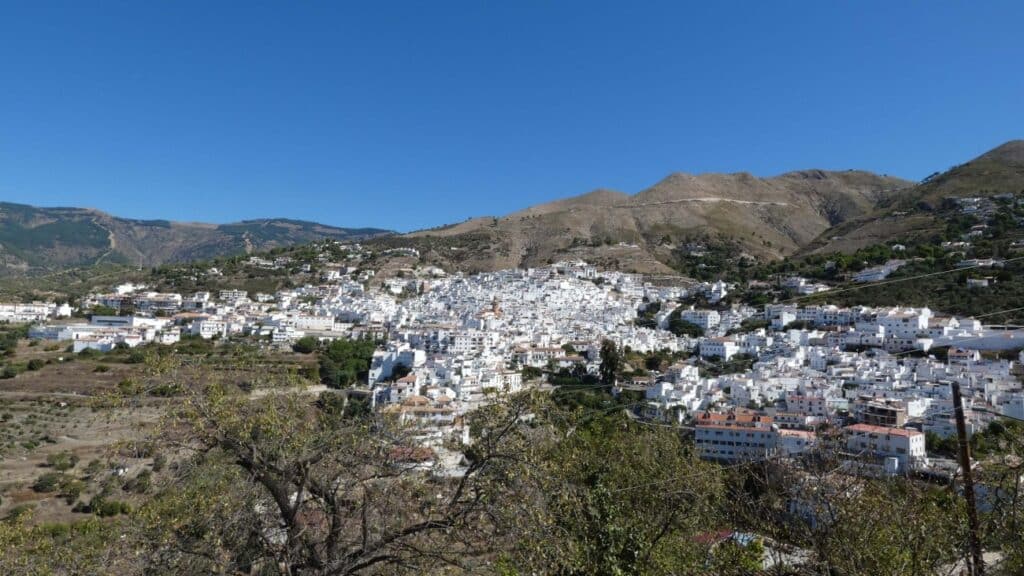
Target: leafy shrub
{"points": [[165, 390], [93, 467], [306, 345], [129, 387], [48, 482], [62, 461], [71, 490], [19, 511], [140, 484], [106, 508]]}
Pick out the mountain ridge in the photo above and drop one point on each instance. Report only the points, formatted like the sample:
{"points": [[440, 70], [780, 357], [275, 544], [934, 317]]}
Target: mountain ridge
{"points": [[654, 230], [916, 213], [41, 239], [641, 231]]}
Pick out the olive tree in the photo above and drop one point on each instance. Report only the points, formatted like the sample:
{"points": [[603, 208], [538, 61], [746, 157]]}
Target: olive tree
{"points": [[280, 485]]}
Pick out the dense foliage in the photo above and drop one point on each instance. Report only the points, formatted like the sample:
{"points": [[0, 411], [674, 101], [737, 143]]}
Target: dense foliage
{"points": [[680, 327], [564, 483], [345, 362]]}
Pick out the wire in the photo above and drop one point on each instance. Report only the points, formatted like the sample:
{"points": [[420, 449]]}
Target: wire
{"points": [[866, 285], [994, 413], [967, 339], [973, 409]]}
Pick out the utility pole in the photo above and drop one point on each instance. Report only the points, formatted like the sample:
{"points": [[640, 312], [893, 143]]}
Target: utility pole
{"points": [[977, 560]]}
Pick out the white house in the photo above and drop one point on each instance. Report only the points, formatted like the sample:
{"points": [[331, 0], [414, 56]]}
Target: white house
{"points": [[907, 446], [723, 347], [716, 292], [706, 319], [804, 404], [735, 436], [876, 273], [208, 328], [792, 442], [384, 362]]}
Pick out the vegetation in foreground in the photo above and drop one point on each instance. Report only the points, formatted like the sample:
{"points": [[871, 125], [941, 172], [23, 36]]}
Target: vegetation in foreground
{"points": [[288, 483]]}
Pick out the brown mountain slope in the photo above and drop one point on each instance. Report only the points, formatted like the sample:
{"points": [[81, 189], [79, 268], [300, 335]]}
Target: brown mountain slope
{"points": [[917, 211], [997, 171], [766, 217]]}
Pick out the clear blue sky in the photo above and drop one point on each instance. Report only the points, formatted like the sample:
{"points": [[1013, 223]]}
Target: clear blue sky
{"points": [[413, 114]]}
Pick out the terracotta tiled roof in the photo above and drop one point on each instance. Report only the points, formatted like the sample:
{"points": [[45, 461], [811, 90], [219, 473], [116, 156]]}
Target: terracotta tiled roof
{"points": [[871, 429]]}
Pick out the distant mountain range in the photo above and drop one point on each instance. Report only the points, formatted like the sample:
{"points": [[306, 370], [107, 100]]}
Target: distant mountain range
{"points": [[44, 239], [764, 218]]}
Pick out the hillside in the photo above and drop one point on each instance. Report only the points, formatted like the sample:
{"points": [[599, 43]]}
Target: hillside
{"points": [[649, 231], [683, 223], [45, 239], [919, 211]]}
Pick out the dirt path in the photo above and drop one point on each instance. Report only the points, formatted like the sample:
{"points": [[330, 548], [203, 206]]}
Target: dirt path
{"points": [[110, 238], [705, 199]]}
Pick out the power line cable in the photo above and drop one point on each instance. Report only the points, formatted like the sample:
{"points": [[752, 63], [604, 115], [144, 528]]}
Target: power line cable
{"points": [[867, 285]]}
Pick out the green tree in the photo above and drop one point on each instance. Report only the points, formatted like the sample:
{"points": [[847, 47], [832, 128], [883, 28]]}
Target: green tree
{"points": [[84, 547], [100, 310], [611, 362], [400, 371], [531, 373], [345, 362], [850, 524], [680, 327], [306, 345], [732, 557], [48, 482], [609, 497], [71, 490], [338, 495], [62, 461]]}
